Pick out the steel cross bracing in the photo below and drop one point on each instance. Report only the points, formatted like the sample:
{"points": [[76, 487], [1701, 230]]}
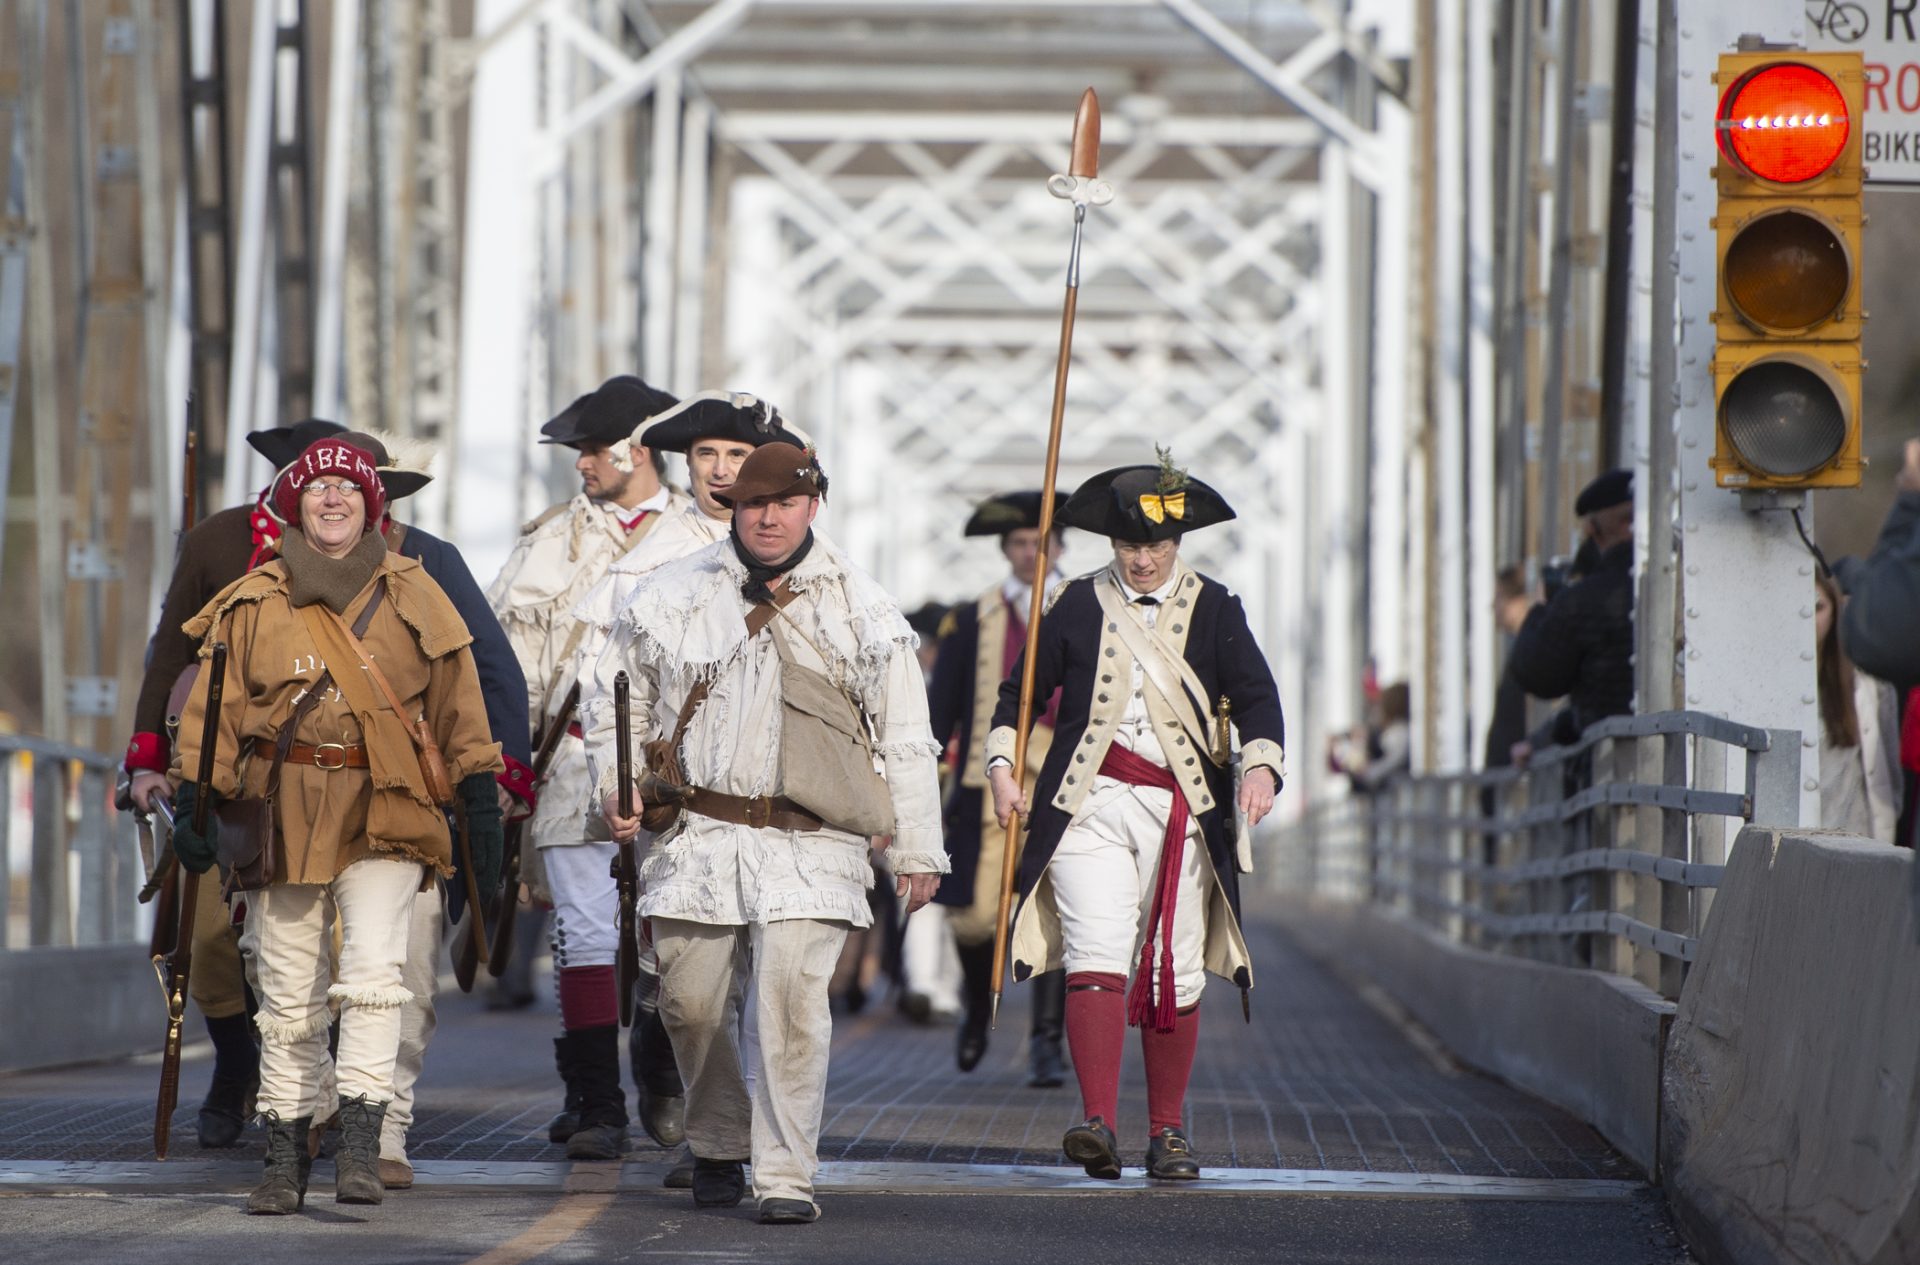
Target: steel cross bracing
{"points": [[904, 317], [842, 206], [206, 176]]}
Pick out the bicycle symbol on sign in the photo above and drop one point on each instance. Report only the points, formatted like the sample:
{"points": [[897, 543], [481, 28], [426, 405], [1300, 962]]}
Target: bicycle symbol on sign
{"points": [[1840, 20]]}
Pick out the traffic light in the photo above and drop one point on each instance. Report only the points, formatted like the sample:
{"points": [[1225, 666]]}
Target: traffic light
{"points": [[1787, 364]]}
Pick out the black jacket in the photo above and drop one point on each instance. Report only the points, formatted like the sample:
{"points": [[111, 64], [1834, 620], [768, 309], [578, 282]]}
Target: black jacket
{"points": [[950, 709], [1880, 626], [1580, 644], [1223, 654]]}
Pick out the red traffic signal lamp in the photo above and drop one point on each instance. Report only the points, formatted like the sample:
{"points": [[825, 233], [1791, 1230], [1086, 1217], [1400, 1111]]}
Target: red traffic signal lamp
{"points": [[1787, 363]]}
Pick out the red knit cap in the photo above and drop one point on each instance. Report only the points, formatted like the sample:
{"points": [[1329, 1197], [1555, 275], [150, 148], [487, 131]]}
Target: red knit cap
{"points": [[333, 460]]}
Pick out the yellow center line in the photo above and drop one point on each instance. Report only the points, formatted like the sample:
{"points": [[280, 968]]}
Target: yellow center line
{"points": [[589, 1191]]}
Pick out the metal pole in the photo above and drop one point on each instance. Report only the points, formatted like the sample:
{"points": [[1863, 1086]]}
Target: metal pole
{"points": [[1567, 17], [343, 50], [1657, 674]]}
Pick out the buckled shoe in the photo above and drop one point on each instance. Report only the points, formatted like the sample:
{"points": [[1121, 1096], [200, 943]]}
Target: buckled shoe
{"points": [[1170, 1157], [1091, 1145]]}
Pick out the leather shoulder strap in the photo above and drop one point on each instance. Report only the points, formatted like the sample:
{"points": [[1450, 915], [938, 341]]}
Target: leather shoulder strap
{"points": [[757, 620], [311, 699]]}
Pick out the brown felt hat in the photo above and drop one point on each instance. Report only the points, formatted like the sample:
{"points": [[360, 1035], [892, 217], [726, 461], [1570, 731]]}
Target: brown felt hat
{"points": [[775, 470]]}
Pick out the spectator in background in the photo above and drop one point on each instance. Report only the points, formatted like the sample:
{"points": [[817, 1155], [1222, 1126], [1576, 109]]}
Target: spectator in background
{"points": [[1370, 759], [1860, 789], [1579, 643], [1509, 725], [1880, 624]]}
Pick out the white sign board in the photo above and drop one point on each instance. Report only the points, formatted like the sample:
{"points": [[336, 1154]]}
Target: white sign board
{"points": [[1887, 34]]}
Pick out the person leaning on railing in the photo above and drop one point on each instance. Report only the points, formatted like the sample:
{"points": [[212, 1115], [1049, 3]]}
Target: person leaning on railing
{"points": [[1579, 643], [357, 827]]}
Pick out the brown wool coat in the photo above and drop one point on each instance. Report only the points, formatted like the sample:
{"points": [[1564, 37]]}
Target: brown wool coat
{"points": [[419, 641]]}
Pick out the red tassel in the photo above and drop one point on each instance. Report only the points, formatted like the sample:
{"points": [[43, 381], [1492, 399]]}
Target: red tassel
{"points": [[1142, 1004]]}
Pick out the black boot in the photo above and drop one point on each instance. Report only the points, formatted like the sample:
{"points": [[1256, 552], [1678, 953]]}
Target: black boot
{"points": [[236, 1079], [356, 1163], [567, 1123], [976, 990], [1045, 1068], [719, 1183], [602, 1134], [663, 1098], [284, 1188]]}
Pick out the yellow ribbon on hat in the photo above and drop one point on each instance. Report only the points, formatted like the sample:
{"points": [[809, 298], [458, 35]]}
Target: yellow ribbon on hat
{"points": [[1158, 508]]}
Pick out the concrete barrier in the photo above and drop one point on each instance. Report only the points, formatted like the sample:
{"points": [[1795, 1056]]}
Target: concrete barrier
{"points": [[1792, 1090], [1587, 1042], [80, 1005]]}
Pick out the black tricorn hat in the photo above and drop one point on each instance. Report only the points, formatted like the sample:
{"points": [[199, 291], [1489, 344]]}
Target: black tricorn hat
{"points": [[734, 415], [608, 415], [1615, 487], [1143, 504], [281, 444], [1009, 512]]}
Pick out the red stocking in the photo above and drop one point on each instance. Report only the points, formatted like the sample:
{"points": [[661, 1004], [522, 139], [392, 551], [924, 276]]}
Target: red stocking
{"points": [[589, 997], [1169, 1065], [1096, 1034]]}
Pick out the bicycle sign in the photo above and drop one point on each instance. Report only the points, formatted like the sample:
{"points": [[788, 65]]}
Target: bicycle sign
{"points": [[1887, 35]]}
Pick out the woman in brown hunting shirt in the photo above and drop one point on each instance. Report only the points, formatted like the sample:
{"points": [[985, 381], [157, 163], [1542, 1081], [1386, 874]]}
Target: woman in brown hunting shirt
{"points": [[359, 832]]}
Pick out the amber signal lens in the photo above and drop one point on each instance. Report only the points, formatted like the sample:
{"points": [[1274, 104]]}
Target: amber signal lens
{"points": [[1784, 122], [1787, 271]]}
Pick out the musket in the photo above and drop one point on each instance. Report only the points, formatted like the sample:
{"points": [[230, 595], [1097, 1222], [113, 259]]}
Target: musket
{"points": [[1082, 186], [1223, 754], [175, 969], [509, 898], [189, 477], [625, 876]]}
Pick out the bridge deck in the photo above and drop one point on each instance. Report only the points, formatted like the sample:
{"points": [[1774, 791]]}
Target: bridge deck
{"points": [[1323, 1093]]}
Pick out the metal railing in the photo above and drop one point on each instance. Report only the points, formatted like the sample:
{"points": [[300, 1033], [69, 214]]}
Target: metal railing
{"points": [[1603, 853], [74, 878]]}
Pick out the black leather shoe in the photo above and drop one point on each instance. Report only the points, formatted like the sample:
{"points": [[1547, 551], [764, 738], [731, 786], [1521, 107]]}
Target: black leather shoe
{"points": [[788, 1212], [563, 1126], [224, 1111], [1170, 1157], [719, 1183], [664, 1117], [971, 1047], [680, 1176], [1091, 1145], [1045, 1069], [605, 1141]]}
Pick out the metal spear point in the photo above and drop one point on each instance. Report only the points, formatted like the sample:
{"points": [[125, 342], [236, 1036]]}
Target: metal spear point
{"points": [[1082, 186]]}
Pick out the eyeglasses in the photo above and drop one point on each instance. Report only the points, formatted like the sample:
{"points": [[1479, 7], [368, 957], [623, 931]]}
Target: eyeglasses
{"points": [[318, 489]]}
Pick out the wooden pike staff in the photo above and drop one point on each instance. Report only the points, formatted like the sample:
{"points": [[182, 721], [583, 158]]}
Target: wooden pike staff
{"points": [[1082, 186]]}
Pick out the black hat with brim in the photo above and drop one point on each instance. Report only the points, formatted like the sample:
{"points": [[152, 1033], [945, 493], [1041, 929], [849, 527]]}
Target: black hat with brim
{"points": [[608, 415], [724, 415], [281, 444], [1009, 512], [1127, 503], [1615, 487]]}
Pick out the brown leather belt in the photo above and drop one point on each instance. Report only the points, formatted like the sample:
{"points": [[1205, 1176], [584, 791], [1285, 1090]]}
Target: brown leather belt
{"points": [[328, 755], [758, 811]]}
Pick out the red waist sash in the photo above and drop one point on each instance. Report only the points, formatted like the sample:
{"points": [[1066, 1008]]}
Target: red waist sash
{"points": [[1123, 765]]}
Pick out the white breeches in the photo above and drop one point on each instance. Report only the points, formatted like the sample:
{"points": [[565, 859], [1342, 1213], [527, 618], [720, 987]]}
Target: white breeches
{"points": [[1103, 875]]}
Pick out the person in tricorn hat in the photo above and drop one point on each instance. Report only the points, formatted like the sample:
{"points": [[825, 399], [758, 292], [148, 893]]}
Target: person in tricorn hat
{"points": [[979, 644], [763, 663], [716, 431], [560, 556], [1132, 861], [213, 554], [1579, 643]]}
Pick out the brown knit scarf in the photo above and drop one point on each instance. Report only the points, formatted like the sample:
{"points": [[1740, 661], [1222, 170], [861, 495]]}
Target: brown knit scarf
{"points": [[314, 577]]}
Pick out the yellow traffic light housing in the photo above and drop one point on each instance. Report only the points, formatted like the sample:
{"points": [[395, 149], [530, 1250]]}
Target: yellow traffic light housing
{"points": [[1787, 363]]}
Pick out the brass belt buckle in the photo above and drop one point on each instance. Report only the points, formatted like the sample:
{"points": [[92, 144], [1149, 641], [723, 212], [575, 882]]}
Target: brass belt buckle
{"points": [[340, 760], [759, 811]]}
